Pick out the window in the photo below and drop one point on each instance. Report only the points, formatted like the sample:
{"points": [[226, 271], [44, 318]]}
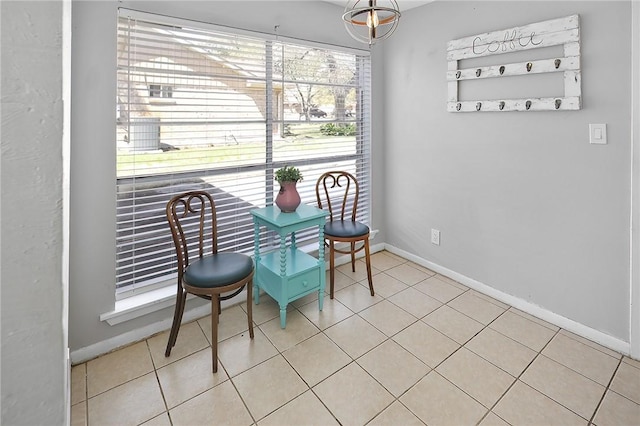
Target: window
{"points": [[242, 106], [159, 91], [154, 90]]}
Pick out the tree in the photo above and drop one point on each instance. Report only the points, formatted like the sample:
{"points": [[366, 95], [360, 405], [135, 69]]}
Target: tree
{"points": [[300, 66], [315, 73], [341, 78]]}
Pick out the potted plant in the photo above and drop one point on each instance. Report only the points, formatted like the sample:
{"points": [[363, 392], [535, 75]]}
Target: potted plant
{"points": [[288, 198], [288, 174]]}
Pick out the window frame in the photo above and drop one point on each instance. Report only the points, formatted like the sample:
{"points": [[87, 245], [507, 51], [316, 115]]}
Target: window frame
{"points": [[363, 140]]}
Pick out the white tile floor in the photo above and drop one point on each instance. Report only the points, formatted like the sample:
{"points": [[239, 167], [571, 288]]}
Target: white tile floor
{"points": [[424, 350]]}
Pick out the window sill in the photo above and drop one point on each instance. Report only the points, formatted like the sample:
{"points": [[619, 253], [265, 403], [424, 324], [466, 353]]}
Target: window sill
{"points": [[141, 304]]}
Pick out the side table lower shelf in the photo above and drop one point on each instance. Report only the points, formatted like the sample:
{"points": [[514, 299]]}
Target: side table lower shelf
{"points": [[298, 276]]}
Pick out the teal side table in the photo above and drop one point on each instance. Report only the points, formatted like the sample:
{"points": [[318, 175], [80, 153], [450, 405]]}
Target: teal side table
{"points": [[288, 273]]}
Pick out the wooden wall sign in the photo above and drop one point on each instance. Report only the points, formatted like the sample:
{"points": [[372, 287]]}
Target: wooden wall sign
{"points": [[561, 31]]}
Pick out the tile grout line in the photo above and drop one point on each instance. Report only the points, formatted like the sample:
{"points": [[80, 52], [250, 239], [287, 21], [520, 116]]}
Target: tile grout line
{"points": [[155, 372], [447, 357], [281, 353], [86, 390], [558, 332], [244, 403], [432, 369], [604, 394], [489, 410], [310, 388], [354, 360], [520, 375], [538, 353]]}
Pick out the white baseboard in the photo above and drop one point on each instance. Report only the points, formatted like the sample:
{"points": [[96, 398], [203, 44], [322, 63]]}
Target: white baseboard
{"points": [[589, 333], [67, 386], [345, 258], [100, 348]]}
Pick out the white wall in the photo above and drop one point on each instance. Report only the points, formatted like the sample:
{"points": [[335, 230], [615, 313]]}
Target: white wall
{"points": [[92, 250], [524, 203], [33, 335]]}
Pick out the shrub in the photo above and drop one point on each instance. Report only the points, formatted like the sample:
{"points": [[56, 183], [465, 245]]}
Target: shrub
{"points": [[332, 129]]}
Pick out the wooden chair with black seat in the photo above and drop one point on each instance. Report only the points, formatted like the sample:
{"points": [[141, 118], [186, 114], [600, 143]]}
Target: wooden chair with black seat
{"points": [[338, 192], [202, 270]]}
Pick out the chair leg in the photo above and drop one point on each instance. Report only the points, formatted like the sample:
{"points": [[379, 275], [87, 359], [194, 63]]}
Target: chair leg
{"points": [[353, 257], [368, 259], [177, 319], [249, 307], [214, 331], [332, 255]]}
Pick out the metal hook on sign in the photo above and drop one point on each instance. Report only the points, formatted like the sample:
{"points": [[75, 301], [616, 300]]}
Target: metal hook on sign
{"points": [[528, 105], [478, 72], [458, 74], [529, 66], [501, 105], [502, 70], [458, 106], [478, 106], [557, 63], [558, 103]]}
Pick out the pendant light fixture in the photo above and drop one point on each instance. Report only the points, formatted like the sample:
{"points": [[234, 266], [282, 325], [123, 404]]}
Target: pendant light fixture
{"points": [[368, 21]]}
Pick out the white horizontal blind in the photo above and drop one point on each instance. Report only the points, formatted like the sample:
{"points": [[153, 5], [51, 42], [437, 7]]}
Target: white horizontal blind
{"points": [[199, 108]]}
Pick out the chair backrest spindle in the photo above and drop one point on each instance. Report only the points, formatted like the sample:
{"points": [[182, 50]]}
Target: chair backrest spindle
{"points": [[186, 213], [337, 189]]}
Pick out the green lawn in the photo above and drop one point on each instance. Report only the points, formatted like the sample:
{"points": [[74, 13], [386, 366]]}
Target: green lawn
{"points": [[306, 142]]}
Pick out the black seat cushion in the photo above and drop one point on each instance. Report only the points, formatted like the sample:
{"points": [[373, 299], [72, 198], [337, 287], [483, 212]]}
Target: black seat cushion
{"points": [[345, 229], [218, 270]]}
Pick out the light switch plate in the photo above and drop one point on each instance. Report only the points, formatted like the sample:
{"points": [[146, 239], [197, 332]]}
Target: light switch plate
{"points": [[598, 134]]}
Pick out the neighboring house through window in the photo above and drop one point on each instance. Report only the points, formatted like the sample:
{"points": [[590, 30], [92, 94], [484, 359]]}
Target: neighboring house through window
{"points": [[242, 106], [159, 91]]}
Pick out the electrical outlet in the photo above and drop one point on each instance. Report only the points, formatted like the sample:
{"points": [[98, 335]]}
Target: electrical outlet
{"points": [[435, 237]]}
